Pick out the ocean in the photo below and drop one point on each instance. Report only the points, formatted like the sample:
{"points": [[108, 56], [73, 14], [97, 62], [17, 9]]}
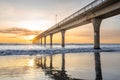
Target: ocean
{"points": [[74, 62]]}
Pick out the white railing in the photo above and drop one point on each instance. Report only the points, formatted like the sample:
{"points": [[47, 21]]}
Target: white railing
{"points": [[84, 9]]}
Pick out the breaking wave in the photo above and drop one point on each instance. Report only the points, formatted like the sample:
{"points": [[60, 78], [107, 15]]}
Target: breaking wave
{"points": [[56, 51]]}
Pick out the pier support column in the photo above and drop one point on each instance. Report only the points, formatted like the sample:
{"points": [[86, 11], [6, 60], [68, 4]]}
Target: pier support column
{"points": [[51, 35], [41, 41], [45, 40], [63, 38], [96, 24], [38, 41]]}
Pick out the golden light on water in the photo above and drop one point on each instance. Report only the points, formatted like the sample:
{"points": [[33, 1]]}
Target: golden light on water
{"points": [[31, 62]]}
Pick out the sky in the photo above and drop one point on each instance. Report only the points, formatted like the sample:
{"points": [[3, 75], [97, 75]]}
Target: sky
{"points": [[22, 20]]}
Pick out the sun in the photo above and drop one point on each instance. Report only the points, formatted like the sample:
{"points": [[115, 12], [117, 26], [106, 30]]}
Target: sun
{"points": [[30, 37], [31, 25]]}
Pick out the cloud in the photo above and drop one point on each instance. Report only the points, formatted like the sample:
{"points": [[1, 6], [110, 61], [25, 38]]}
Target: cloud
{"points": [[11, 10], [19, 31]]}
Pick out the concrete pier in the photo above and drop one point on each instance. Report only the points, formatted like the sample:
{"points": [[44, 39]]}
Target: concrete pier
{"points": [[51, 35], [63, 38], [44, 40], [96, 24], [94, 12], [41, 41]]}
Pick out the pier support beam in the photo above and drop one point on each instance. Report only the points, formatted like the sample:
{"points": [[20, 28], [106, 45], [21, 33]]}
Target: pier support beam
{"points": [[51, 35], [44, 40], [63, 38], [38, 41], [41, 41], [96, 24]]}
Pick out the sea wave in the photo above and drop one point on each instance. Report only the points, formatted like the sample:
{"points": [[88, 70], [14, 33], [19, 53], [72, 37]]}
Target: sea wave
{"points": [[56, 51]]}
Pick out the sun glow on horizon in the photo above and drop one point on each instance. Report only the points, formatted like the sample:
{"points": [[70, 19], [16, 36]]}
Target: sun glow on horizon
{"points": [[30, 37], [21, 21], [35, 24]]}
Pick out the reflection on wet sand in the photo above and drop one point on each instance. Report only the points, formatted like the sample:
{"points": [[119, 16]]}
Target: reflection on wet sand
{"points": [[53, 73], [46, 66], [98, 65], [14, 66], [13, 72], [61, 74]]}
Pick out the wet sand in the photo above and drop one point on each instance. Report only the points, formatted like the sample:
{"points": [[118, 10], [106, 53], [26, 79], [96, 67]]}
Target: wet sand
{"points": [[62, 66]]}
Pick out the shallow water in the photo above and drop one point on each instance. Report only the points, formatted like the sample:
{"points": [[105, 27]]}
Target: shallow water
{"points": [[38, 49], [62, 66]]}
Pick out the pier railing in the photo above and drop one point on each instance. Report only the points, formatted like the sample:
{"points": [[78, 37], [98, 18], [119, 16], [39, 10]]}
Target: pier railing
{"points": [[79, 12], [84, 9]]}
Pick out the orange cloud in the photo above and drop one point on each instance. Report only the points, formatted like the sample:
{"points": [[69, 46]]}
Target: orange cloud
{"points": [[19, 31], [17, 35]]}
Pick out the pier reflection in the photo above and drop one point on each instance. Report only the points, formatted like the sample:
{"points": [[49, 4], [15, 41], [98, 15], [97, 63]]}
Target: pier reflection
{"points": [[61, 74], [51, 71], [98, 65]]}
